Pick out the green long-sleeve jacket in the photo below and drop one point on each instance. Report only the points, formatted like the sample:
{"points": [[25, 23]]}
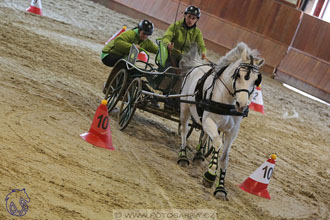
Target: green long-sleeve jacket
{"points": [[121, 45], [184, 37]]}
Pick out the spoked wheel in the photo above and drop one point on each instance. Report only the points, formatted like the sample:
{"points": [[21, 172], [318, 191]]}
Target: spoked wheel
{"points": [[129, 103], [207, 147], [115, 89]]}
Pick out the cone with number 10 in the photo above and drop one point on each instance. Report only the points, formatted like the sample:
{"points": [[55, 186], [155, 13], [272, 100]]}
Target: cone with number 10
{"points": [[258, 181], [99, 134]]}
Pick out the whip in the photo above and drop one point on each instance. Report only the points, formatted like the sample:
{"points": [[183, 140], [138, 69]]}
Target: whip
{"points": [[176, 15]]}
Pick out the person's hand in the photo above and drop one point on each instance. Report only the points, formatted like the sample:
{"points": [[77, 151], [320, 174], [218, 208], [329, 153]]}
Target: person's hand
{"points": [[137, 46], [203, 56], [170, 46]]}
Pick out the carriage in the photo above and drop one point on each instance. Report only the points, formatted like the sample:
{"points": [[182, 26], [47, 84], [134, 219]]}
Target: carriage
{"points": [[138, 84]]}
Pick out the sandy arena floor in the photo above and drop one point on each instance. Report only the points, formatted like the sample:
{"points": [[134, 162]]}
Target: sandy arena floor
{"points": [[50, 86]]}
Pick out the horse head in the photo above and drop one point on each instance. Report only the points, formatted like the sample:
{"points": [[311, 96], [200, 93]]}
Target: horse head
{"points": [[246, 76]]}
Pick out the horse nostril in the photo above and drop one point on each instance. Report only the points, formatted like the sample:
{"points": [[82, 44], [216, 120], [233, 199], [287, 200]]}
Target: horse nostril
{"points": [[237, 104]]}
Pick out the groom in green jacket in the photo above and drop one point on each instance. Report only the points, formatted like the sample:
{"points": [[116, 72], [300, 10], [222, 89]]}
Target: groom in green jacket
{"points": [[120, 46]]}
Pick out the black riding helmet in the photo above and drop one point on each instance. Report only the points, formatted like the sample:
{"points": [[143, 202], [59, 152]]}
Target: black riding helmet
{"points": [[146, 26], [193, 10]]}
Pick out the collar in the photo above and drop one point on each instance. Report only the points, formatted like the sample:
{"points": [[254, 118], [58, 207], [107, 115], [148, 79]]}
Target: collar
{"points": [[136, 30]]}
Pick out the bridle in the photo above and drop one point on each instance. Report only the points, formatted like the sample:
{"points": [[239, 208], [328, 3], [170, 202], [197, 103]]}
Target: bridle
{"points": [[249, 67]]}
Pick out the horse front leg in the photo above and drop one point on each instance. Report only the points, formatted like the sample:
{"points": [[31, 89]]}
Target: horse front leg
{"points": [[220, 191], [184, 120], [210, 175], [199, 155]]}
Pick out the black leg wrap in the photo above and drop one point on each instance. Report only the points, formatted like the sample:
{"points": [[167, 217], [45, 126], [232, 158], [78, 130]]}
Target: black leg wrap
{"points": [[220, 189], [214, 160], [209, 177], [183, 156], [221, 185]]}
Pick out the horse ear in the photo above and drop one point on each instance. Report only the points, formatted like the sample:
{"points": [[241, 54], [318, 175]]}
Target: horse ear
{"points": [[260, 62], [245, 55], [241, 46], [258, 81]]}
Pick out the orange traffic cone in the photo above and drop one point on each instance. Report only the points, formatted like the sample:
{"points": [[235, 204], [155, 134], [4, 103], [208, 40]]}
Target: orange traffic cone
{"points": [[99, 134], [35, 7], [257, 104], [258, 181], [116, 34]]}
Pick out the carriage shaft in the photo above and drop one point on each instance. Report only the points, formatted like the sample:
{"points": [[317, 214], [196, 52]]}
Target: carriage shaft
{"points": [[166, 96]]}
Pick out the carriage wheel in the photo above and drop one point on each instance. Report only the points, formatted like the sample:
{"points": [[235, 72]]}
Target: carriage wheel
{"points": [[207, 147], [115, 89], [129, 103]]}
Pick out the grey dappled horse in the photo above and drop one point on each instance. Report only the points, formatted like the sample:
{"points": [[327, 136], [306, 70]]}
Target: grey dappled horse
{"points": [[222, 97]]}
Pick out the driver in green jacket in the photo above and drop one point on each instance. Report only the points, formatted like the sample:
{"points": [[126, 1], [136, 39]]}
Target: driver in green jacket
{"points": [[120, 46], [178, 38], [180, 35]]}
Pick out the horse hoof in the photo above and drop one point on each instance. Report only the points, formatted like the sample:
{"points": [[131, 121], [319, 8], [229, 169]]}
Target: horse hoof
{"points": [[221, 196], [208, 179], [220, 193], [198, 158], [207, 184], [183, 162]]}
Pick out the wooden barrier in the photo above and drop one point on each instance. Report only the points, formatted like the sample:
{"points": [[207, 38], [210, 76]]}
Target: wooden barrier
{"points": [[306, 73], [270, 19], [307, 64], [313, 37]]}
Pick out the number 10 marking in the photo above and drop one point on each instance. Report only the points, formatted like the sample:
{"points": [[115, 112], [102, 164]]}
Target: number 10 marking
{"points": [[104, 121], [268, 172]]}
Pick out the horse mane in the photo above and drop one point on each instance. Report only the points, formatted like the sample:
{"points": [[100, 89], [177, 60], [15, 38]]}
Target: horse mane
{"points": [[234, 55], [191, 58]]}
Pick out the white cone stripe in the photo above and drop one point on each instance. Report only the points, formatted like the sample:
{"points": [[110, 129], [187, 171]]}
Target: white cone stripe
{"points": [[263, 173], [36, 3], [257, 97]]}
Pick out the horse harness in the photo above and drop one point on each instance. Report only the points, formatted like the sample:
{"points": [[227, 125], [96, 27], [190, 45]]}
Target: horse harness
{"points": [[206, 104]]}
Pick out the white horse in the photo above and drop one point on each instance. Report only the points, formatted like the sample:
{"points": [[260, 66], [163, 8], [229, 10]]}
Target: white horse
{"points": [[224, 92]]}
